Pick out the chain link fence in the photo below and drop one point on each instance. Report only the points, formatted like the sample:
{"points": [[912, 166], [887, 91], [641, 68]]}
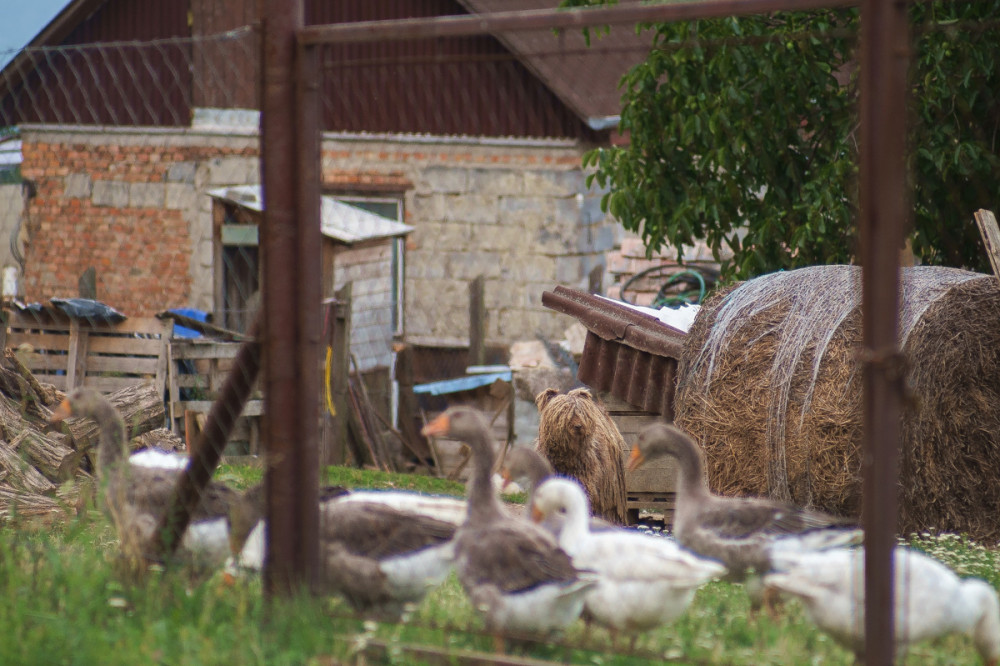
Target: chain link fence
{"points": [[462, 177]]}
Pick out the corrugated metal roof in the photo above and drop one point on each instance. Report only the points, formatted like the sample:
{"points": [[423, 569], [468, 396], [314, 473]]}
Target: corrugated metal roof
{"points": [[339, 221], [627, 353]]}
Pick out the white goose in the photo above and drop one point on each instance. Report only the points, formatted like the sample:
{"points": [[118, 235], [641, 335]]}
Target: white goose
{"points": [[643, 581], [930, 599]]}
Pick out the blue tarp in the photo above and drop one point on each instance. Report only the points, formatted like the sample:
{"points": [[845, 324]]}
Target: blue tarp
{"points": [[466, 383], [184, 331]]}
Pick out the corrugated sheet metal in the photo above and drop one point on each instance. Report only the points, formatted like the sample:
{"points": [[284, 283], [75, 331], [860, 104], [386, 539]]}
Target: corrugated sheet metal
{"points": [[451, 85], [471, 86], [558, 58], [627, 353], [106, 85]]}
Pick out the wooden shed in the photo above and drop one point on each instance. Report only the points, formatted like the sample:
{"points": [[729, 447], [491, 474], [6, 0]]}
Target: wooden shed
{"points": [[630, 360], [362, 246]]}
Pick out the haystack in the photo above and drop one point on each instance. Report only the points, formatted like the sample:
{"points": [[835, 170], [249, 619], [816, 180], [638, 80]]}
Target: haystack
{"points": [[770, 384]]}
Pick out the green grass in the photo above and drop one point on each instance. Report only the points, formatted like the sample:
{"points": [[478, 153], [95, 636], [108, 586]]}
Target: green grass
{"points": [[69, 600]]}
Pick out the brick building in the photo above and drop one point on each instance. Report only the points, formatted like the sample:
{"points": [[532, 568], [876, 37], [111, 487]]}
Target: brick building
{"points": [[481, 155]]}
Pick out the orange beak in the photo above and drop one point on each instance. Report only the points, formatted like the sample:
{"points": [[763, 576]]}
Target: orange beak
{"points": [[228, 579], [62, 412], [505, 474], [437, 427], [635, 459], [536, 515]]}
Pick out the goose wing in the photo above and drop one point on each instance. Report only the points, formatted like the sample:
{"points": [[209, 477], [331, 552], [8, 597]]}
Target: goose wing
{"points": [[514, 558], [742, 518], [379, 531]]}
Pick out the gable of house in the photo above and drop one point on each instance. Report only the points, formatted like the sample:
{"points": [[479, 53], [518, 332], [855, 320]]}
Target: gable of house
{"points": [[533, 84]]}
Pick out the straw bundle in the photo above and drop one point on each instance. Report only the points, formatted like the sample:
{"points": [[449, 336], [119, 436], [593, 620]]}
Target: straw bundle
{"points": [[770, 383]]}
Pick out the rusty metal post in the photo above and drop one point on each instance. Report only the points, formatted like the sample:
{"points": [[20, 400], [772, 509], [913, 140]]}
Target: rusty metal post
{"points": [[290, 250], [884, 61]]}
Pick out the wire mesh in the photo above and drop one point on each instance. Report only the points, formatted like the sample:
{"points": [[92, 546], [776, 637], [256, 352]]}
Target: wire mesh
{"points": [[130, 192]]}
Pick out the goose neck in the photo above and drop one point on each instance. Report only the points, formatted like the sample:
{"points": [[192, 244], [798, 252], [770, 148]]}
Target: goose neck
{"points": [[483, 504]]}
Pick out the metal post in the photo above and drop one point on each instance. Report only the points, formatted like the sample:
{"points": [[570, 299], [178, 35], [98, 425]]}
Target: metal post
{"points": [[291, 287], [884, 56]]}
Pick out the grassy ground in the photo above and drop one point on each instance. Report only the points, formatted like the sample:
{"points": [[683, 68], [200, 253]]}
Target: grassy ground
{"points": [[69, 600]]}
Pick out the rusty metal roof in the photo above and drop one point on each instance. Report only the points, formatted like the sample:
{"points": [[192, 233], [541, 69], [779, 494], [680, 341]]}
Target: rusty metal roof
{"points": [[631, 355]]}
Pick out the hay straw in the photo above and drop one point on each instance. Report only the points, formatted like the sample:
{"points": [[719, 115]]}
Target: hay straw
{"points": [[771, 385]]}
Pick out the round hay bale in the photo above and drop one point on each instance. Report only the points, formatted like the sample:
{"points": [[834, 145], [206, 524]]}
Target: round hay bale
{"points": [[770, 383]]}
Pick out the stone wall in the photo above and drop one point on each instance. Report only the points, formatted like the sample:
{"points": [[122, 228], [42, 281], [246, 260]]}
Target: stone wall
{"points": [[517, 212], [132, 203]]}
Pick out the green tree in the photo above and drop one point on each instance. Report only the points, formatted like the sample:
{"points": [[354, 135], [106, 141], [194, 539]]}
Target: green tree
{"points": [[743, 132]]}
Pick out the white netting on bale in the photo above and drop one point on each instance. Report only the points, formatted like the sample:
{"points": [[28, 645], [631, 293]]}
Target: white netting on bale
{"points": [[770, 383]]}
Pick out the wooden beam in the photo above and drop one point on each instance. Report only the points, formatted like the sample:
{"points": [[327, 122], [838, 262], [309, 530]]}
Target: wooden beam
{"points": [[477, 321], [991, 237]]}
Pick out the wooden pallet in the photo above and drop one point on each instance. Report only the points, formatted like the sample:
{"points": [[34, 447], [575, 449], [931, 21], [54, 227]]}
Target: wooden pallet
{"points": [[67, 352]]}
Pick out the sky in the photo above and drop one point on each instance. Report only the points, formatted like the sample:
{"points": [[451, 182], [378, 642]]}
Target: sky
{"points": [[18, 26]]}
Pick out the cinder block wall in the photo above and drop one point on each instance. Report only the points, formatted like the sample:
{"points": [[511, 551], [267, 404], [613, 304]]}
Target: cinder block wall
{"points": [[132, 203]]}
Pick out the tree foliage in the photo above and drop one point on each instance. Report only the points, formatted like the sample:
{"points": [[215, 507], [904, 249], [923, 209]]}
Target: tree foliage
{"points": [[743, 132]]}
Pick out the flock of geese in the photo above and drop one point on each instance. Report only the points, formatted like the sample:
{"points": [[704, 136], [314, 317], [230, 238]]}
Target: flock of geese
{"points": [[533, 574]]}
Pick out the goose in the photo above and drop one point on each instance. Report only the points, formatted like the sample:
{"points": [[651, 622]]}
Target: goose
{"points": [[740, 532], [382, 559], [529, 468], [930, 599], [513, 571], [643, 581], [135, 495]]}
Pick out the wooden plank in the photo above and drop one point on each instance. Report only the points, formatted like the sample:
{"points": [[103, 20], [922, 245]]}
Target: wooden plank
{"points": [[655, 476], [106, 384], [103, 344], [477, 321], [45, 362], [76, 368], [40, 341], [252, 408], [129, 365], [212, 350], [991, 237]]}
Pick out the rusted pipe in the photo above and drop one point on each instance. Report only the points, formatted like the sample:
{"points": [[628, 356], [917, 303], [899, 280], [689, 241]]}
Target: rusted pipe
{"points": [[547, 19], [290, 250], [211, 442], [884, 61]]}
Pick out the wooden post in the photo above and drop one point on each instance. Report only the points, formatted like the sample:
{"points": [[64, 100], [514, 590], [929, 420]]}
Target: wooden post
{"points": [[991, 237], [87, 284], [76, 364], [595, 281], [477, 322], [340, 344], [408, 410]]}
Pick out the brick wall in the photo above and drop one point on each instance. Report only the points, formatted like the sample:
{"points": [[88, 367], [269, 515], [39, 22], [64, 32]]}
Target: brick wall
{"points": [[133, 204]]}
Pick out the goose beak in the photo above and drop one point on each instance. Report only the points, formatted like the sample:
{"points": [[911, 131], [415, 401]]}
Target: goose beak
{"points": [[62, 412], [635, 459], [505, 475], [536, 515], [437, 427]]}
